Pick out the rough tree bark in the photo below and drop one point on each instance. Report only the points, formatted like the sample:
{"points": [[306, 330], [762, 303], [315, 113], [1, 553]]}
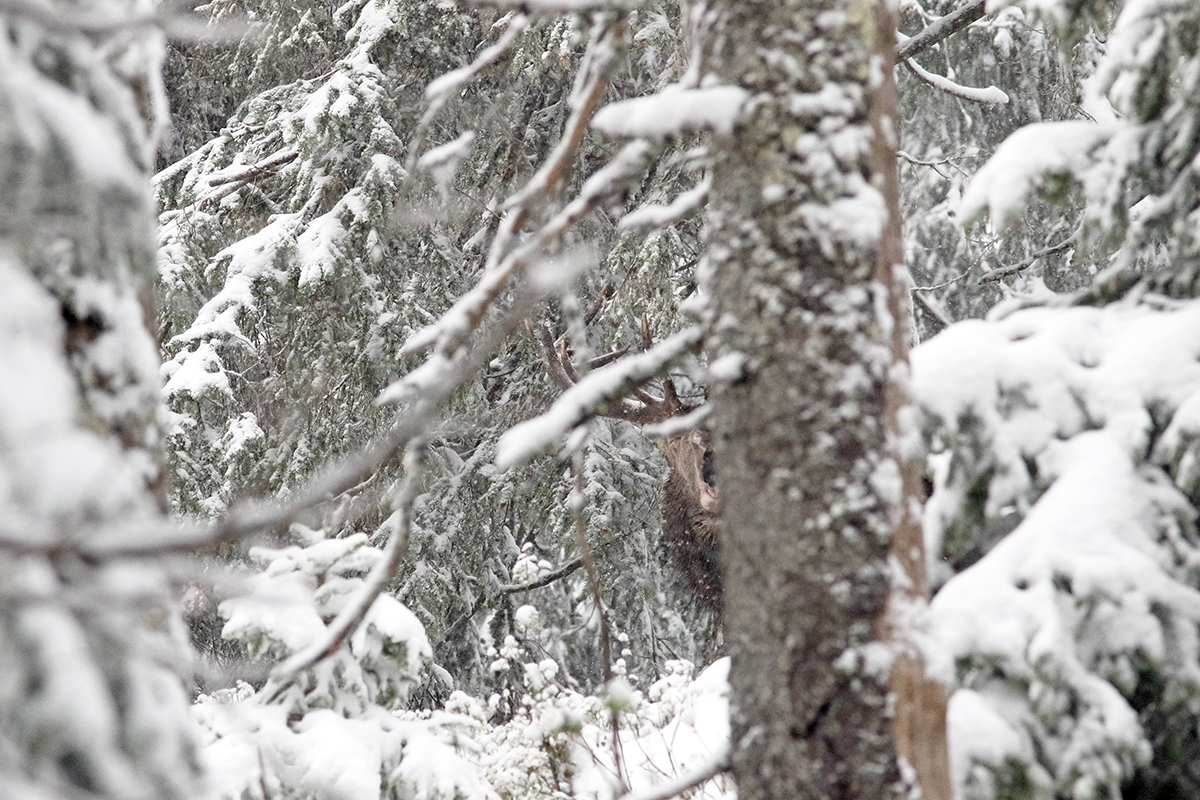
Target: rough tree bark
{"points": [[803, 256]]}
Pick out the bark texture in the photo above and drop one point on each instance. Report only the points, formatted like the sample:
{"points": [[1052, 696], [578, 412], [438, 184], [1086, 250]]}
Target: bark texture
{"points": [[804, 347], [919, 702]]}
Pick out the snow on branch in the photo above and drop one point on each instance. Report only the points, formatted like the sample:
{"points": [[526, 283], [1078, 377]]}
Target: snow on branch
{"points": [[1012, 269], [441, 88], [989, 95], [250, 517], [242, 174], [1026, 162], [652, 216], [672, 112], [940, 29], [506, 260], [170, 18], [556, 7], [589, 396], [591, 83]]}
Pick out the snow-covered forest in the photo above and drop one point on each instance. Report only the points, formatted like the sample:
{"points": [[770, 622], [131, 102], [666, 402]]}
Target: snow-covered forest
{"points": [[392, 394]]}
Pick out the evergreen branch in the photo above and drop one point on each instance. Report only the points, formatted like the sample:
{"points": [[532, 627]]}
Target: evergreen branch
{"points": [[504, 263], [159, 537], [940, 29], [440, 90], [577, 503], [558, 7]]}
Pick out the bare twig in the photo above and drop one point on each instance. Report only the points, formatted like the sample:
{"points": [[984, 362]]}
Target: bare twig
{"points": [[512, 588], [697, 777], [941, 28], [945, 283], [1025, 263], [934, 165], [545, 580], [933, 309]]}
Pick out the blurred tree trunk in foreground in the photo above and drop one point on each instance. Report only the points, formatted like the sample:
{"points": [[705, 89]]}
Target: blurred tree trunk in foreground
{"points": [[810, 303]]}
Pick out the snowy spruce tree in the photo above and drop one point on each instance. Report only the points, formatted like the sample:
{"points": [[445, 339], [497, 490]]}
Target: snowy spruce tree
{"points": [[336, 216], [91, 642], [1065, 506]]}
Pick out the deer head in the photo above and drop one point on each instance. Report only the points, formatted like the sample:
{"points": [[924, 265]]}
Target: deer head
{"points": [[690, 496]]}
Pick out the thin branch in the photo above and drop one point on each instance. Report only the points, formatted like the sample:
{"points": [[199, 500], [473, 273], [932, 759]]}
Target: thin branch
{"points": [[545, 580], [941, 28], [933, 308], [681, 784], [1025, 263], [922, 163], [990, 95], [946, 283], [511, 588]]}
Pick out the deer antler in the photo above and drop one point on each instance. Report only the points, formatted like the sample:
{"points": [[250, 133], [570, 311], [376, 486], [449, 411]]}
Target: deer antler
{"points": [[643, 408]]}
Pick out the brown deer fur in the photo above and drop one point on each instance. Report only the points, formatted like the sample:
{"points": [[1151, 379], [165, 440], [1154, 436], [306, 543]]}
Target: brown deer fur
{"points": [[690, 536]]}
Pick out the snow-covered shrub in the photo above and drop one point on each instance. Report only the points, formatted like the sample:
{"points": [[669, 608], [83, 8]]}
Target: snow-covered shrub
{"points": [[335, 731], [1073, 637], [559, 742]]}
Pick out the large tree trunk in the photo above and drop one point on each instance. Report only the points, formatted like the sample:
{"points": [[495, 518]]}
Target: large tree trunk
{"points": [[803, 254]]}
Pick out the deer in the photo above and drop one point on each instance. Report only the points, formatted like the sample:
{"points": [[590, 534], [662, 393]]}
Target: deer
{"points": [[691, 539]]}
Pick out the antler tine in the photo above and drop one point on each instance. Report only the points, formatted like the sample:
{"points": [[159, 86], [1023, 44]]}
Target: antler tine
{"points": [[608, 358], [647, 339], [564, 358], [643, 408], [559, 371], [671, 395]]}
